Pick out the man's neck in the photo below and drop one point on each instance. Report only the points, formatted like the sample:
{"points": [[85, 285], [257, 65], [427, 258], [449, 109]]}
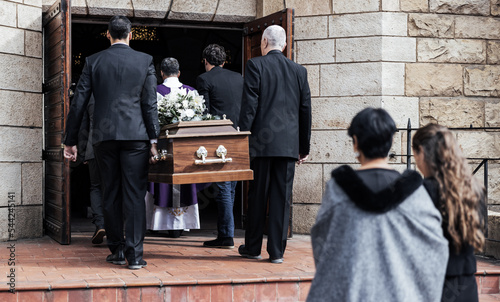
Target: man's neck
{"points": [[120, 41]]}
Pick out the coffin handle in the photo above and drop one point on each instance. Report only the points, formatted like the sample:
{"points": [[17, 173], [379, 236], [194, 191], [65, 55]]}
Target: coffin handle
{"points": [[202, 153]]}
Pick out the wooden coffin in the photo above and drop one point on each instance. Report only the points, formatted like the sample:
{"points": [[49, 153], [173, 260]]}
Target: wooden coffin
{"points": [[182, 161]]}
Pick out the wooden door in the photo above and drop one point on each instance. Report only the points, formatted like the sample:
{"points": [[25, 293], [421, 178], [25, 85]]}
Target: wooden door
{"points": [[57, 77], [252, 35]]}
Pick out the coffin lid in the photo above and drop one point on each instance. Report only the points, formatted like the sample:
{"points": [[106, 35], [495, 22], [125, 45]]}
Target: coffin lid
{"points": [[185, 129]]}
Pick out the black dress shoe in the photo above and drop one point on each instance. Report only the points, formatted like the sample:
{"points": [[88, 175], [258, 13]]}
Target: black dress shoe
{"points": [[221, 243], [117, 258], [98, 235], [137, 264], [244, 253]]}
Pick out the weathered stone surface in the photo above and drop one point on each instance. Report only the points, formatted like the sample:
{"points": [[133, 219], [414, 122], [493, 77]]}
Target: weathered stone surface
{"points": [[267, 7], [12, 40], [29, 222], [33, 44], [37, 3], [362, 79], [20, 109], [451, 51], [46, 4], [348, 6], [29, 17], [10, 174], [79, 7], [464, 7], [368, 24], [414, 5], [482, 80], [110, 7], [452, 112], [20, 73], [493, 248], [433, 79], [337, 113], [431, 25], [156, 9], [478, 144], [8, 13], [493, 53], [493, 184], [29, 150], [492, 113], [313, 79], [401, 109], [316, 51], [304, 217], [477, 27], [235, 11], [375, 49], [193, 10], [32, 175], [495, 7], [390, 5], [330, 147], [308, 183], [310, 8], [311, 27]]}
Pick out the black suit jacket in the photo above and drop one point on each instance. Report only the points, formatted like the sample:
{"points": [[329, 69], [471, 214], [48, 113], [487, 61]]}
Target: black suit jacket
{"points": [[276, 107], [222, 90], [123, 83]]}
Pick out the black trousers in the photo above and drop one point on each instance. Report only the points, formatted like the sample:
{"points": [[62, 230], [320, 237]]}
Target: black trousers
{"points": [[123, 166], [273, 182]]}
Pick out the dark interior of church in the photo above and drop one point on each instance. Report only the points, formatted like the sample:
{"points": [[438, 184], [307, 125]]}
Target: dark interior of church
{"points": [[186, 44]]}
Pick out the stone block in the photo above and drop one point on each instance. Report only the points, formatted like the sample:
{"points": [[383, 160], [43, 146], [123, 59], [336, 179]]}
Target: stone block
{"points": [[12, 40], [29, 222], [33, 45], [325, 111], [414, 5], [20, 73], [304, 217], [316, 51], [267, 7], [493, 53], [193, 10], [368, 24], [235, 11], [431, 25], [311, 28], [37, 3], [433, 79], [10, 174], [331, 147], [460, 7], [32, 175], [348, 6], [29, 17], [375, 49], [495, 7], [46, 4], [451, 51], [362, 79], [308, 183], [8, 14], [20, 109], [390, 5], [476, 144], [311, 7], [399, 49], [21, 144], [110, 7], [156, 9], [482, 80], [452, 112], [313, 79], [492, 113], [493, 184], [477, 27], [401, 109], [79, 7]]}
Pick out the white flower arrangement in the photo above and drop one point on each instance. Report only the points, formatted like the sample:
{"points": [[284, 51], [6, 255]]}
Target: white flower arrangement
{"points": [[182, 105]]}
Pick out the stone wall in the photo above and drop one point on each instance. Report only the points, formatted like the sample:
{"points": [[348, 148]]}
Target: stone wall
{"points": [[21, 116]]}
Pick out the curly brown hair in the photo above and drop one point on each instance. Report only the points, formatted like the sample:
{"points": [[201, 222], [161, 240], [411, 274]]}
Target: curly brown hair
{"points": [[460, 193]]}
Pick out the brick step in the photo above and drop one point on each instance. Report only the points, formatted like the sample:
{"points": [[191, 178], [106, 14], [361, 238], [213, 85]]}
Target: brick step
{"points": [[488, 298]]}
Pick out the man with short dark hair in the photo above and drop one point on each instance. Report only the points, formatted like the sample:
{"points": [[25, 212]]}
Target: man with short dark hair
{"points": [[125, 130], [276, 108], [222, 90]]}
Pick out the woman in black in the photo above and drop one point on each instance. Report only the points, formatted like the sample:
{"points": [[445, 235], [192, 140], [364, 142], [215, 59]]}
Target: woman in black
{"points": [[458, 196]]}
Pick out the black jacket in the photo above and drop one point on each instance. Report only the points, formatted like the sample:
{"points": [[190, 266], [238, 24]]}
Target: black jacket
{"points": [[276, 107], [123, 82]]}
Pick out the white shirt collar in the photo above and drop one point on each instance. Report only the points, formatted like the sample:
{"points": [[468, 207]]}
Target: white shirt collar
{"points": [[119, 43], [172, 82]]}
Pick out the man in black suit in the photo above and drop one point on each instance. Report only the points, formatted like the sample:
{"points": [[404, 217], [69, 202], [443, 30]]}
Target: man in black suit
{"points": [[276, 108], [222, 90], [125, 130]]}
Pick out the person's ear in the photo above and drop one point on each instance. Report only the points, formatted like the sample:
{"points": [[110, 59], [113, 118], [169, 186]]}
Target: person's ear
{"points": [[108, 35], [355, 142], [130, 36], [179, 73]]}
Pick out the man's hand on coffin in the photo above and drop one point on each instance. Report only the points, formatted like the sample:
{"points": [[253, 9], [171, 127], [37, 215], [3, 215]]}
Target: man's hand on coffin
{"points": [[155, 157]]}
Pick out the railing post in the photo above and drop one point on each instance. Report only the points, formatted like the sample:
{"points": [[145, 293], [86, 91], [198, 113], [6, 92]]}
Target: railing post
{"points": [[408, 145]]}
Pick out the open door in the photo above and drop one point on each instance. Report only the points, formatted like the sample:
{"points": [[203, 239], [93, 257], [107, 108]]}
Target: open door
{"points": [[57, 73], [252, 35]]}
